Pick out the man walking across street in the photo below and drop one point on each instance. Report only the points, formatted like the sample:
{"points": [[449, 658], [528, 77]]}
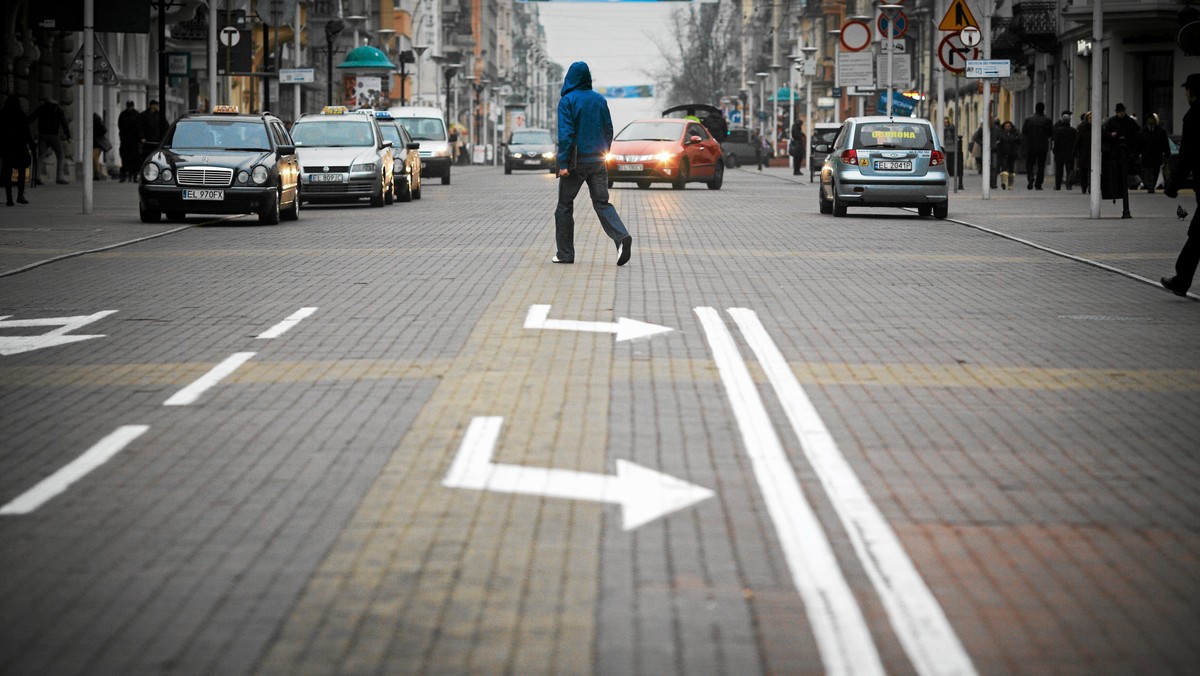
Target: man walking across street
{"points": [[1064, 151], [52, 130], [1184, 175], [1036, 133], [585, 133]]}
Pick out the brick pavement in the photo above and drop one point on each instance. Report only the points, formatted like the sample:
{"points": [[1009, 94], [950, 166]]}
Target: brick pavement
{"points": [[1022, 421]]}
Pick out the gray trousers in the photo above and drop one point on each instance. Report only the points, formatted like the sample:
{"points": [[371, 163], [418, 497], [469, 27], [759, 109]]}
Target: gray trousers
{"points": [[53, 143], [596, 177]]}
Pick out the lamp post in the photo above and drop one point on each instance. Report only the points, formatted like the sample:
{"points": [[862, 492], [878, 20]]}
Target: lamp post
{"points": [[750, 104], [891, 12], [762, 99], [835, 36], [448, 72], [495, 91], [332, 29], [775, 68], [810, 70], [795, 60]]}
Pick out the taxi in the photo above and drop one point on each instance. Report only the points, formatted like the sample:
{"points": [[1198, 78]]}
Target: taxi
{"points": [[406, 170], [222, 163], [343, 157]]}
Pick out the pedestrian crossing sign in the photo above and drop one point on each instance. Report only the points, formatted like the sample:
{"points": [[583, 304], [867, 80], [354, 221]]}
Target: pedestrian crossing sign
{"points": [[958, 16]]}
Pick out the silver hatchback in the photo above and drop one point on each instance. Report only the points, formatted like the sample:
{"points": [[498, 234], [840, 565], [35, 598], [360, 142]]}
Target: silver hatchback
{"points": [[885, 162]]}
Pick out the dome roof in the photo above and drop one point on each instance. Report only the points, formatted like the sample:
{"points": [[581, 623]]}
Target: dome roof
{"points": [[366, 58]]}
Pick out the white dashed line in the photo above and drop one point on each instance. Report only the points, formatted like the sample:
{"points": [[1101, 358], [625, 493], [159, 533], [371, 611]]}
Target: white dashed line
{"points": [[283, 326], [191, 393]]}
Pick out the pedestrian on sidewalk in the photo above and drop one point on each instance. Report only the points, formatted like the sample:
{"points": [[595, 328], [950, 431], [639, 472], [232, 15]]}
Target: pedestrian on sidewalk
{"points": [[1083, 152], [1008, 145], [1036, 133], [1118, 138], [798, 146], [100, 145], [759, 143], [1185, 173], [15, 140], [1152, 146], [150, 131], [977, 151], [130, 140], [52, 131], [585, 134], [1064, 151]]}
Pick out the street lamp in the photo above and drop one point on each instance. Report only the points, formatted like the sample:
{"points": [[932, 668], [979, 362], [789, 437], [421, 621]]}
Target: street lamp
{"points": [[835, 36], [775, 67], [448, 72], [795, 60], [762, 99], [810, 70], [891, 12]]}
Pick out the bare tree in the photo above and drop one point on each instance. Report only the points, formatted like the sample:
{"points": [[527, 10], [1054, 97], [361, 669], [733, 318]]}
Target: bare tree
{"points": [[705, 46]]}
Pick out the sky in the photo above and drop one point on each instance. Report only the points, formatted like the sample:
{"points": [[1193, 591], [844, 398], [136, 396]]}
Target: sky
{"points": [[619, 42]]}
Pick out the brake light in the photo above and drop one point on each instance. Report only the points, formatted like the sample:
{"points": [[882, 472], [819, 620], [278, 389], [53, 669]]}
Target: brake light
{"points": [[937, 159], [849, 157]]}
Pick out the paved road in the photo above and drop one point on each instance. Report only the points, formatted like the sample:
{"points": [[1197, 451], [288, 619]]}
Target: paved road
{"points": [[361, 444]]}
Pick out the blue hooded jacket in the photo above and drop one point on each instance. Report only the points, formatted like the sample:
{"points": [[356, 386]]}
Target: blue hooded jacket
{"points": [[583, 119]]}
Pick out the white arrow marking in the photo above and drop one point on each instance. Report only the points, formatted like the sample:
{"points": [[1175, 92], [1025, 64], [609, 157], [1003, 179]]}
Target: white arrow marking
{"points": [[18, 344], [625, 328], [643, 493]]}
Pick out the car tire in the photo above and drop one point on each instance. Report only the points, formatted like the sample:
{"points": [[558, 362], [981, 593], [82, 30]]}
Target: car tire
{"points": [[682, 177], [924, 210], [389, 196], [839, 207], [507, 168], [446, 178], [823, 205], [175, 216], [718, 178], [404, 192], [293, 212], [732, 160], [270, 215], [941, 210], [377, 200], [149, 215], [643, 185]]}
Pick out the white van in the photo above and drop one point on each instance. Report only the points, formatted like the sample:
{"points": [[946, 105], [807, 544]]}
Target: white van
{"points": [[427, 126]]}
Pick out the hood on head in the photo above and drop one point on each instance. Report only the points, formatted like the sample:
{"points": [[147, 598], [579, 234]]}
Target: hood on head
{"points": [[579, 76]]}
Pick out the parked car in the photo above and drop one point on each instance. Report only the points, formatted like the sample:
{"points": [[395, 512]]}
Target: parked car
{"points": [[885, 162], [737, 149], [406, 165], [344, 156], [223, 163], [427, 126], [530, 149], [665, 150], [820, 140]]}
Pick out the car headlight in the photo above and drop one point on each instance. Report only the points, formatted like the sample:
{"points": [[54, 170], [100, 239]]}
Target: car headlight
{"points": [[517, 156], [547, 155], [165, 175], [367, 166], [260, 174], [665, 157], [441, 152], [243, 177], [150, 172]]}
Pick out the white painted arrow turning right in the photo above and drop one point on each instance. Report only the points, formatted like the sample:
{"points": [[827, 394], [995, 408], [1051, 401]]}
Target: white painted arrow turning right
{"points": [[643, 493], [624, 328]]}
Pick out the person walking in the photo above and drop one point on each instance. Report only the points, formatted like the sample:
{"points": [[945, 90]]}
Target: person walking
{"points": [[150, 130], [1036, 133], [798, 146], [100, 145], [1118, 137], [15, 140], [977, 151], [1008, 145], [759, 143], [130, 142], [52, 131], [1153, 147], [1063, 147], [585, 134], [1187, 170], [950, 145], [1083, 151]]}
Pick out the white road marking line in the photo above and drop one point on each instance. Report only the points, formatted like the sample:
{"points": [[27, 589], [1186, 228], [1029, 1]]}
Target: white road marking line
{"points": [[191, 393], [644, 494], [841, 632], [75, 470], [915, 614], [624, 328], [283, 326]]}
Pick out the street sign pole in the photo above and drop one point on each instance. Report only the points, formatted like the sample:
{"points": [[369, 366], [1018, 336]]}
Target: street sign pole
{"points": [[212, 55], [987, 104], [89, 67], [1097, 114]]}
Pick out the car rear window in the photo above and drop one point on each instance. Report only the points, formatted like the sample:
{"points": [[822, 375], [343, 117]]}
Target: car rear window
{"points": [[334, 133], [737, 136], [219, 135], [650, 131], [894, 135], [424, 128]]}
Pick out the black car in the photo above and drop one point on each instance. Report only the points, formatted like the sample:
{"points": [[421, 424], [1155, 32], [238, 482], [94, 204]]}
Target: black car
{"points": [[530, 149], [223, 163]]}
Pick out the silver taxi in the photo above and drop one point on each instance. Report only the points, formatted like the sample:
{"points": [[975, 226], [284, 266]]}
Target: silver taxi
{"points": [[885, 162], [343, 156]]}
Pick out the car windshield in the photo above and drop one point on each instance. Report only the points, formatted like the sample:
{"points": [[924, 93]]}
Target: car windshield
{"points": [[826, 136], [391, 133], [333, 133], [531, 138], [424, 128], [219, 135], [650, 131], [894, 135]]}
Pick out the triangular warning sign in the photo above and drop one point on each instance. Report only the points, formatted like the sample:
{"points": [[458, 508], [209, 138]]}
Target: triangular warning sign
{"points": [[102, 68], [958, 17]]}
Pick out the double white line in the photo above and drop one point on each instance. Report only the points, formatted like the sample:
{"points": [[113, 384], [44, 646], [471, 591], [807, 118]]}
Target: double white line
{"points": [[842, 635]]}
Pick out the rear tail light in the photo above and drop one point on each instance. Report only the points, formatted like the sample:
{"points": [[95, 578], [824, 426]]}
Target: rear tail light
{"points": [[937, 159], [849, 157]]}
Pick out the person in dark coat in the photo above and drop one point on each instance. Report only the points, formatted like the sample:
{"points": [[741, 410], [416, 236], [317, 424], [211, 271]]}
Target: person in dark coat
{"points": [[100, 145], [1035, 136], [1119, 135], [52, 131], [715, 124], [1153, 147], [1008, 145], [150, 130], [15, 141], [130, 137], [1063, 146], [1187, 169], [1083, 151], [798, 146], [977, 151]]}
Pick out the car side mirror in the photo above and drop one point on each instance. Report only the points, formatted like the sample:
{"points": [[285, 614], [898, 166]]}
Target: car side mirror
{"points": [[413, 146], [821, 148], [388, 144], [285, 150], [454, 137], [694, 139]]}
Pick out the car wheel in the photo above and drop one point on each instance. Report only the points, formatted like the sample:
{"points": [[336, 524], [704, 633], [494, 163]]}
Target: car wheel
{"points": [[293, 212], [839, 207], [682, 177], [507, 168], [404, 191], [377, 200], [643, 185], [175, 216], [718, 178], [149, 215], [825, 206], [446, 178], [732, 160], [270, 214], [389, 195], [941, 209], [924, 210]]}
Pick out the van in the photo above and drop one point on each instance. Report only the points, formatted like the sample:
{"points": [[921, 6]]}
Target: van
{"points": [[427, 126], [737, 149]]}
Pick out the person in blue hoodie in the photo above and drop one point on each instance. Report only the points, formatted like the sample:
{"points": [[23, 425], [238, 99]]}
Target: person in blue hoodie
{"points": [[585, 133]]}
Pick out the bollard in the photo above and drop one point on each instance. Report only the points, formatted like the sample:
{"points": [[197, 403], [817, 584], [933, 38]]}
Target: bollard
{"points": [[1123, 154]]}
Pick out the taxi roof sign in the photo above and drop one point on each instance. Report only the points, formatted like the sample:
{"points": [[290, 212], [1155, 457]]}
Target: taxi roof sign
{"points": [[225, 110], [333, 110], [958, 16]]}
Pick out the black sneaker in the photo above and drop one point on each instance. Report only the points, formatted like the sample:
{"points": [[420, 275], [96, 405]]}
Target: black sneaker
{"points": [[556, 260], [1168, 283], [624, 250]]}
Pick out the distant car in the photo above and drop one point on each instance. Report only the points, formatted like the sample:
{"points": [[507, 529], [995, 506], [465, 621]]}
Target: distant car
{"points": [[427, 126], [885, 162], [530, 149], [343, 156], [736, 148], [665, 150], [406, 165], [223, 163], [820, 140]]}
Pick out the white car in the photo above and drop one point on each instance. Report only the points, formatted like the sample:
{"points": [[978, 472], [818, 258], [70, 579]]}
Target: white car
{"points": [[427, 126], [343, 156]]}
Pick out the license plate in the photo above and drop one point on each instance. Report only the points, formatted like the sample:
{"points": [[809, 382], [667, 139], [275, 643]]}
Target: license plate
{"points": [[206, 195], [629, 167], [894, 166], [325, 178], [533, 161]]}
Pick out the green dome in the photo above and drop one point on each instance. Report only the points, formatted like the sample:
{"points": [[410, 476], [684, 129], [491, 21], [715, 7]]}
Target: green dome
{"points": [[366, 58]]}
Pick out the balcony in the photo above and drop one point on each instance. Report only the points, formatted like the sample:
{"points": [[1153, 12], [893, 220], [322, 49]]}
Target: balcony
{"points": [[1036, 24]]}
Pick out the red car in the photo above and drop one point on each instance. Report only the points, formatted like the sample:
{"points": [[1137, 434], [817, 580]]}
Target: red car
{"points": [[666, 150]]}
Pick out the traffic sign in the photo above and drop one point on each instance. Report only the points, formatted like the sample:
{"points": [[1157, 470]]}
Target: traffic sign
{"points": [[954, 54], [898, 30], [102, 69], [296, 75], [855, 35], [979, 68], [958, 16], [970, 36]]}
